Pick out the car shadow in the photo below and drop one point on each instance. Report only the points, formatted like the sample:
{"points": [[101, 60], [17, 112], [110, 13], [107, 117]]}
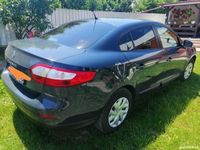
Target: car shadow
{"points": [[148, 120]]}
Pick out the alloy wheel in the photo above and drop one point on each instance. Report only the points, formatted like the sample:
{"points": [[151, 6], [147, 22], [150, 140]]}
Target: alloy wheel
{"points": [[118, 112], [188, 70]]}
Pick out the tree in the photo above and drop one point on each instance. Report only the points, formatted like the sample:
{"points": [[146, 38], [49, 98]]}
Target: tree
{"points": [[106, 5], [26, 15], [73, 4], [93, 5], [1, 6], [123, 6]]}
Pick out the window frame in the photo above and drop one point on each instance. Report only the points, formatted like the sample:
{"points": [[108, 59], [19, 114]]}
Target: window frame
{"points": [[135, 28], [119, 41]]}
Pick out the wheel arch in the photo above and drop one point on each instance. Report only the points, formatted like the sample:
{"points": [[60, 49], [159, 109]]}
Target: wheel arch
{"points": [[193, 58], [131, 89]]}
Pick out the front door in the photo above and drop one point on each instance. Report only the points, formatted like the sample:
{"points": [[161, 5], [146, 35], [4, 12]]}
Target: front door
{"points": [[175, 54]]}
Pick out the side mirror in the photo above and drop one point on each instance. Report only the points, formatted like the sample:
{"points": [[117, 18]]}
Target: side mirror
{"points": [[187, 43]]}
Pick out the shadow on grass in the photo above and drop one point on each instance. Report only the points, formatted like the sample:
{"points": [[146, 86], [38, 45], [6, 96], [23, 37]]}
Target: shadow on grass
{"points": [[152, 114]]}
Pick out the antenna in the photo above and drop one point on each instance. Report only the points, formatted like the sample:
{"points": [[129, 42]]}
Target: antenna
{"points": [[95, 17]]}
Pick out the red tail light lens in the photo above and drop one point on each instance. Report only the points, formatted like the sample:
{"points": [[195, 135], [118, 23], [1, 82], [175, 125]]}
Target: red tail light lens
{"points": [[59, 77]]}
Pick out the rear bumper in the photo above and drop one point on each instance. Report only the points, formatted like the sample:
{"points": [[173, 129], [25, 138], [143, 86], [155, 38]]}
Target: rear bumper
{"points": [[47, 110]]}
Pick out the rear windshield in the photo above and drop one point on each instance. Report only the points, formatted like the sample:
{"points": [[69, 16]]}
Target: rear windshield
{"points": [[79, 34]]}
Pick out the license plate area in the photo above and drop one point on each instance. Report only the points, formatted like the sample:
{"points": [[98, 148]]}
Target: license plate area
{"points": [[18, 75]]}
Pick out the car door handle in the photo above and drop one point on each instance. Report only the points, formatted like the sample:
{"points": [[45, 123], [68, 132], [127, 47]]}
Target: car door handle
{"points": [[169, 59]]}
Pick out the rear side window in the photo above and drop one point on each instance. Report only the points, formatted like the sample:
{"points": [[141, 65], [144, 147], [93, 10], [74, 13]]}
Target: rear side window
{"points": [[168, 38], [144, 38], [126, 43]]}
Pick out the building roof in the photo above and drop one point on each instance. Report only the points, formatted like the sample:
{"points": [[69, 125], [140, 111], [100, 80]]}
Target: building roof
{"points": [[183, 3]]}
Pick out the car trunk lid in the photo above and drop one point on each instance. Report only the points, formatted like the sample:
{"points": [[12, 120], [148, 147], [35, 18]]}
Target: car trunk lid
{"points": [[23, 54], [43, 49]]}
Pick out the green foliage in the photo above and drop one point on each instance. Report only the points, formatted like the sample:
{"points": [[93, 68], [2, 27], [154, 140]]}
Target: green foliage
{"points": [[114, 5], [106, 5], [93, 5], [124, 6], [141, 5], [73, 4], [1, 1], [117, 5], [26, 15], [57, 3]]}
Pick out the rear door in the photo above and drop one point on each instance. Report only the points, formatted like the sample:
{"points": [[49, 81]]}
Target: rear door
{"points": [[175, 54], [146, 62]]}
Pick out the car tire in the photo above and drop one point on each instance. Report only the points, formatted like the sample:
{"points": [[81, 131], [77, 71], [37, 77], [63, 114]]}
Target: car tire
{"points": [[115, 112], [188, 71]]}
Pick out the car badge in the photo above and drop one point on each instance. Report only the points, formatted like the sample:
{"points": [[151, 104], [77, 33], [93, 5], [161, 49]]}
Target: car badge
{"points": [[13, 54]]}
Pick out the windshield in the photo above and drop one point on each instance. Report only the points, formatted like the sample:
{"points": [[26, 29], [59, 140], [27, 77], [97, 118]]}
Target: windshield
{"points": [[79, 34]]}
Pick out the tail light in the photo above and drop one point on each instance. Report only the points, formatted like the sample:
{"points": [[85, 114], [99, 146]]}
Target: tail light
{"points": [[59, 77]]}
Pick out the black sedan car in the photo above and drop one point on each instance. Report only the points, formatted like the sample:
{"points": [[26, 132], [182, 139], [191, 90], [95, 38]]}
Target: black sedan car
{"points": [[90, 71]]}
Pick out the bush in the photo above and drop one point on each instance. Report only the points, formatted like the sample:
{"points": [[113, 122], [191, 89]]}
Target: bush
{"points": [[26, 16]]}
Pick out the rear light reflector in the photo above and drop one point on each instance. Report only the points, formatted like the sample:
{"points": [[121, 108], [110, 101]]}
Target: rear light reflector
{"points": [[47, 117], [59, 77]]}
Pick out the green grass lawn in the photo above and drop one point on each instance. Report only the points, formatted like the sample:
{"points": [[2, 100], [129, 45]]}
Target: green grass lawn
{"points": [[167, 119]]}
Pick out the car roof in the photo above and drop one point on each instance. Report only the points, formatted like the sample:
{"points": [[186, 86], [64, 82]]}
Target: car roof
{"points": [[120, 22], [115, 22]]}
